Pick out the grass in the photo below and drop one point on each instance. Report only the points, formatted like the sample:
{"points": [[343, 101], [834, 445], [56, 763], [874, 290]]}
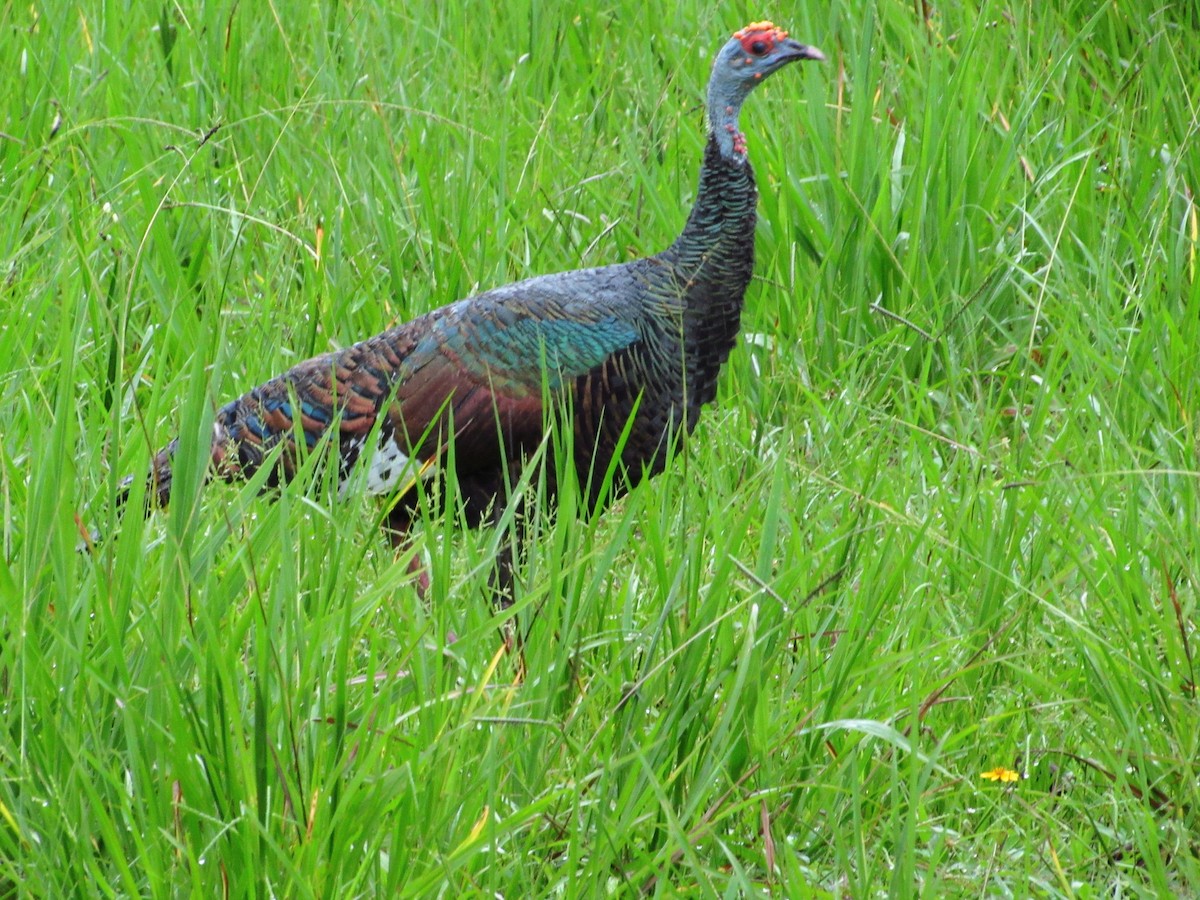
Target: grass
{"points": [[942, 519]]}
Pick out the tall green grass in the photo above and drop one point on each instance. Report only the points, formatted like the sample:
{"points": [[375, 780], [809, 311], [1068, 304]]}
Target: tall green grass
{"points": [[943, 518]]}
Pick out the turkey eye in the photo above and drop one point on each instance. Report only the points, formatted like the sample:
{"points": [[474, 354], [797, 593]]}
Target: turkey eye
{"points": [[758, 48]]}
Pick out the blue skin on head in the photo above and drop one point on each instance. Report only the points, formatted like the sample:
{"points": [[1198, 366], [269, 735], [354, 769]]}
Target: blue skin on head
{"points": [[748, 58]]}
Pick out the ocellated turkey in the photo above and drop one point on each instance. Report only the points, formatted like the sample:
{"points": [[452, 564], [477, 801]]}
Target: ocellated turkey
{"points": [[633, 349]]}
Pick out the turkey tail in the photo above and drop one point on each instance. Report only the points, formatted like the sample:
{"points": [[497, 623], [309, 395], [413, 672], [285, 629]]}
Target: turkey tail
{"points": [[158, 495], [158, 482]]}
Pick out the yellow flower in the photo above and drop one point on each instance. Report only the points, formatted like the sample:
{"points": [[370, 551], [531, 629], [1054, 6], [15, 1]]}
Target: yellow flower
{"points": [[1001, 774]]}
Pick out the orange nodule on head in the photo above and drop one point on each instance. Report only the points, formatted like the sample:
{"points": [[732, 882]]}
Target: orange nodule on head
{"points": [[765, 32]]}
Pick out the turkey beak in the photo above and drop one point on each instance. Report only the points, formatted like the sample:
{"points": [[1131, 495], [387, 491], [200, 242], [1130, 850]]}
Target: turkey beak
{"points": [[795, 50]]}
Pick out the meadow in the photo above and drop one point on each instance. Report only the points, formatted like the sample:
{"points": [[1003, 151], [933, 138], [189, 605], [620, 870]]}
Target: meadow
{"points": [[915, 614]]}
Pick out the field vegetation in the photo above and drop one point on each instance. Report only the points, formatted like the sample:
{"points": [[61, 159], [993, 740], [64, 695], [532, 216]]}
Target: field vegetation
{"points": [[914, 614]]}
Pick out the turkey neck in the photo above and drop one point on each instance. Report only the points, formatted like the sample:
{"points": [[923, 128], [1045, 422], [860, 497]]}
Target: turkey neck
{"points": [[711, 263], [720, 228]]}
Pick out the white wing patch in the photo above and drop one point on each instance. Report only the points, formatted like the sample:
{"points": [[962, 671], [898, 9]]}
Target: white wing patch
{"points": [[390, 466]]}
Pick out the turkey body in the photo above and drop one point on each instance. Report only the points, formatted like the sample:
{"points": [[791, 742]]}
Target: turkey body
{"points": [[632, 351]]}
